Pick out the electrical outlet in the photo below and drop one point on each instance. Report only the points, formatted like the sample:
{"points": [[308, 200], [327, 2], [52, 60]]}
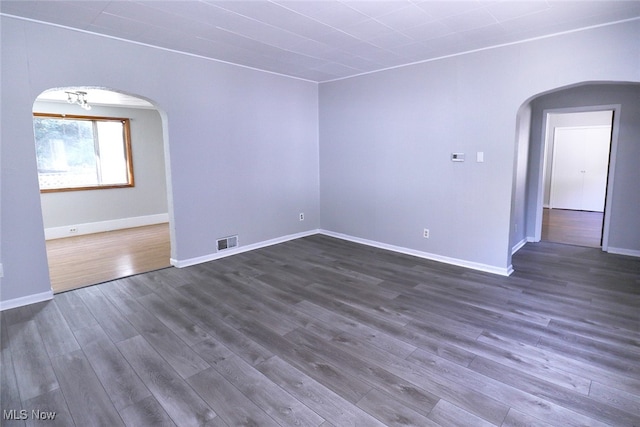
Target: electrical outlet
{"points": [[425, 233], [73, 229], [301, 216]]}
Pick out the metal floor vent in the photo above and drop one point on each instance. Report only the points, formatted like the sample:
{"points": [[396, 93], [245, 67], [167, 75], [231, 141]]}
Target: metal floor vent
{"points": [[227, 243]]}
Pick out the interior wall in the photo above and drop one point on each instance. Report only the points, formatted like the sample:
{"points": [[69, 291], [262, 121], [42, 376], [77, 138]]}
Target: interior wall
{"points": [[624, 209], [242, 144], [517, 230], [149, 195], [386, 141]]}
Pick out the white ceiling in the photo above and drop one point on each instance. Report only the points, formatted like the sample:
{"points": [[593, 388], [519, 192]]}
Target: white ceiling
{"points": [[328, 39]]}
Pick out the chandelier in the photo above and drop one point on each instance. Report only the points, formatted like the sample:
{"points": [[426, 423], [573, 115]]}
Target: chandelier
{"points": [[79, 98]]}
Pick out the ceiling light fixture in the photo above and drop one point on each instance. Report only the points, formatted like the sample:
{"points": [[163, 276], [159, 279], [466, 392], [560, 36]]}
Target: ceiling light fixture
{"points": [[79, 98]]}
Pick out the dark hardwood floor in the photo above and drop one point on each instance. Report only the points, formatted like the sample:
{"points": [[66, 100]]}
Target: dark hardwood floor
{"points": [[582, 228], [320, 331]]}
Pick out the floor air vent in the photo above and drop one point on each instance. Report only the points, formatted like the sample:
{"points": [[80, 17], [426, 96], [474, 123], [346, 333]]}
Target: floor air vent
{"points": [[227, 243]]}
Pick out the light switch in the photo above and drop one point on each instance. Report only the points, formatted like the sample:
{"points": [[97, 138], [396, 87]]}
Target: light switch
{"points": [[480, 156]]}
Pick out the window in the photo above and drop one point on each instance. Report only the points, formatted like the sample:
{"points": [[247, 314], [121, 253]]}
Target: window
{"points": [[82, 153]]}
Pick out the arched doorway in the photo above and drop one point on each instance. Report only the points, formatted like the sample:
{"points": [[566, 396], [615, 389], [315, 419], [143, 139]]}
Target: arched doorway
{"points": [[528, 201], [97, 227]]}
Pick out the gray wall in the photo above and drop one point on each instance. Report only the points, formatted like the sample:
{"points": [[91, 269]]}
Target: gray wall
{"points": [[148, 197], [518, 212], [624, 228], [243, 144], [386, 139]]}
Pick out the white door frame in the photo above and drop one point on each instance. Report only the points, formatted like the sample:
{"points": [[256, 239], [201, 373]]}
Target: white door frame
{"points": [[612, 165]]}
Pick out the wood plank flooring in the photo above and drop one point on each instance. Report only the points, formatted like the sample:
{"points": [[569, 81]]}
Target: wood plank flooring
{"points": [[95, 258], [571, 227], [324, 332]]}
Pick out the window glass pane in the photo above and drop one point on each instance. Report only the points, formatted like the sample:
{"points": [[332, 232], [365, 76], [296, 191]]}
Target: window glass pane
{"points": [[113, 160], [65, 153], [76, 152]]}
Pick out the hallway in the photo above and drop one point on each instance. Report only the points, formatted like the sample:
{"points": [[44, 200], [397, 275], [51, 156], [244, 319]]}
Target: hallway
{"points": [[581, 228]]}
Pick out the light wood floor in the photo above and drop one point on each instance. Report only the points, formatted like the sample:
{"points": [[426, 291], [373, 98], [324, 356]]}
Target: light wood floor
{"points": [[571, 227], [94, 258], [319, 331]]}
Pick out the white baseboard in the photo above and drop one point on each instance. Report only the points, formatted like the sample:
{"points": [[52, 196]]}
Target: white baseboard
{"points": [[454, 261], [45, 296], [426, 255], [239, 249], [29, 299], [622, 251], [102, 226], [519, 245]]}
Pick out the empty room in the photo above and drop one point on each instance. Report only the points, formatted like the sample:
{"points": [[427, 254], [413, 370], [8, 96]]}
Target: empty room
{"points": [[355, 202]]}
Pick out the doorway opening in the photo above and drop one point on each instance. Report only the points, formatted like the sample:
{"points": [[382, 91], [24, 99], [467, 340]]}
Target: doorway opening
{"points": [[95, 232], [577, 151], [619, 228]]}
